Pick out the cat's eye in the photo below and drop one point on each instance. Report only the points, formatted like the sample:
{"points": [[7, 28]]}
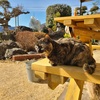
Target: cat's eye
{"points": [[46, 41]]}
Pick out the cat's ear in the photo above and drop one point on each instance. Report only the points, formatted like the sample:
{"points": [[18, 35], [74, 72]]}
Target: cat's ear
{"points": [[47, 37]]}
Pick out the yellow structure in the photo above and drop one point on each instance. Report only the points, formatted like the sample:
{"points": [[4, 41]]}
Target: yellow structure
{"points": [[87, 27], [59, 74]]}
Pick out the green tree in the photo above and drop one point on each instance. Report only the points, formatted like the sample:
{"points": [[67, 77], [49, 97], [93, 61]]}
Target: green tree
{"points": [[7, 12], [57, 14], [94, 9], [57, 10], [83, 10]]}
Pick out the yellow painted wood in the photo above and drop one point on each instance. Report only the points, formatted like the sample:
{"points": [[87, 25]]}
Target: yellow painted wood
{"points": [[84, 39], [97, 47], [51, 82], [92, 22], [81, 24], [77, 18], [89, 21], [87, 33], [90, 46], [55, 80], [40, 75], [69, 22], [86, 21], [56, 75], [67, 71], [74, 91]]}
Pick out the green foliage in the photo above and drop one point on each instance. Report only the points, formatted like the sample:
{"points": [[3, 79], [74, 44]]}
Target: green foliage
{"points": [[45, 30], [83, 9], [66, 35], [5, 4], [57, 10], [6, 14], [77, 8], [94, 9], [57, 14]]}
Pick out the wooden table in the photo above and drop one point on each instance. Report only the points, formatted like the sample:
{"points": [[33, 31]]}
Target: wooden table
{"points": [[87, 27], [86, 21]]}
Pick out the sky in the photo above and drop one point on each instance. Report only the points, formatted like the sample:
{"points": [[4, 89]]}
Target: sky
{"points": [[37, 9]]}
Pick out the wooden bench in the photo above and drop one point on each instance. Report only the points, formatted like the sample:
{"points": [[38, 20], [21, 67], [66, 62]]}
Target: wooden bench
{"points": [[59, 74]]}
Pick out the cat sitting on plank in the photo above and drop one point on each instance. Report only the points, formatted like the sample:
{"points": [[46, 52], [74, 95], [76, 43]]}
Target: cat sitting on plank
{"points": [[68, 51]]}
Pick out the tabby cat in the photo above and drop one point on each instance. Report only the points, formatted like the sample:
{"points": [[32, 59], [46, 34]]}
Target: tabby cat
{"points": [[68, 51]]}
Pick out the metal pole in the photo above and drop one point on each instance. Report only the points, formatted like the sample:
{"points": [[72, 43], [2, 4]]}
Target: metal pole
{"points": [[80, 8], [18, 20]]}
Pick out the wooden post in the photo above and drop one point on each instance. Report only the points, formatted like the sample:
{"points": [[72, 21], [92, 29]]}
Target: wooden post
{"points": [[55, 80], [90, 46], [74, 91]]}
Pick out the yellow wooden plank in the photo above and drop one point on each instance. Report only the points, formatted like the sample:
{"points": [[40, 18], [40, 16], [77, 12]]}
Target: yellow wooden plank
{"points": [[69, 22], [97, 47], [66, 71], [40, 75], [90, 46], [55, 80], [92, 22], [81, 24], [74, 91], [77, 18], [87, 33], [89, 21], [51, 83], [84, 39]]}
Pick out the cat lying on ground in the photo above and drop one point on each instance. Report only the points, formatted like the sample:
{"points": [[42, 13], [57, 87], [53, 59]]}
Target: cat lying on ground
{"points": [[68, 51]]}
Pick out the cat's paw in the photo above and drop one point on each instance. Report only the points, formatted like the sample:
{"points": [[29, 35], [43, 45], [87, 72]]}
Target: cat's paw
{"points": [[53, 64], [89, 68]]}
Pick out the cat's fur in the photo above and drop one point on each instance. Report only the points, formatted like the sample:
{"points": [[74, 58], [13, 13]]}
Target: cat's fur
{"points": [[68, 52]]}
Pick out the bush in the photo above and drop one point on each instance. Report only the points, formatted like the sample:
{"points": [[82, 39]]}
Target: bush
{"points": [[27, 40], [39, 35]]}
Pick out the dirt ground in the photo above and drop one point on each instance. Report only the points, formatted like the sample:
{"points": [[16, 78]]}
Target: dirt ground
{"points": [[14, 84]]}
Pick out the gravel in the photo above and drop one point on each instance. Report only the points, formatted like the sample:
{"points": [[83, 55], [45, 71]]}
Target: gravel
{"points": [[14, 84]]}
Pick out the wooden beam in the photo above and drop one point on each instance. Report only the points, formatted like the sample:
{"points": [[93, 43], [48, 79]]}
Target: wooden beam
{"points": [[55, 80], [95, 47], [77, 18], [40, 75], [21, 57], [81, 25], [92, 22], [74, 91], [87, 33], [66, 71], [69, 22], [89, 21]]}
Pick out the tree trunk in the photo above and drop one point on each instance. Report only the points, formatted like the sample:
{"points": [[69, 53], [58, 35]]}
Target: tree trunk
{"points": [[6, 25]]}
